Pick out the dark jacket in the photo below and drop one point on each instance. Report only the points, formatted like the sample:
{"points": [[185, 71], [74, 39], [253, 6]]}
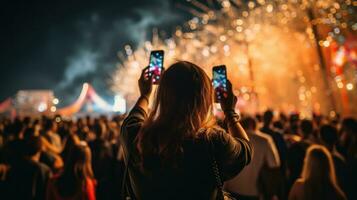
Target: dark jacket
{"points": [[193, 178], [27, 180]]}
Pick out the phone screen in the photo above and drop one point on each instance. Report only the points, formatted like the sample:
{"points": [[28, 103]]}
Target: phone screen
{"points": [[219, 82], [156, 65]]}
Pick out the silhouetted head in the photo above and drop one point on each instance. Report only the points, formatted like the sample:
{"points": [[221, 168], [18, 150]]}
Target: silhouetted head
{"points": [[259, 117], [249, 123], [29, 132], [33, 145], [17, 128], [278, 125], [27, 121], [349, 125], [268, 117], [317, 118], [50, 125], [100, 130], [329, 136], [282, 117], [306, 127]]}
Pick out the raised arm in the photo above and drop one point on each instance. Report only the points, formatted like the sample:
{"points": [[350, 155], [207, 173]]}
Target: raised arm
{"points": [[138, 114], [228, 104], [145, 86], [232, 149]]}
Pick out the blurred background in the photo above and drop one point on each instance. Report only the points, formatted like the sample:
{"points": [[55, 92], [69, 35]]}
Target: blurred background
{"points": [[85, 57]]}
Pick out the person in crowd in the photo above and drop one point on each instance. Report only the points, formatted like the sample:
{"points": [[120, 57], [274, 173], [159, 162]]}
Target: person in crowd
{"points": [[294, 120], [259, 118], [77, 179], [31, 131], [4, 168], [171, 153], [102, 161], [317, 119], [83, 129], [307, 129], [277, 137], [52, 136], [70, 141], [318, 178], [279, 127], [283, 119], [12, 149], [329, 138], [297, 151], [52, 145], [245, 185], [348, 134], [27, 178], [113, 138], [335, 120], [348, 147]]}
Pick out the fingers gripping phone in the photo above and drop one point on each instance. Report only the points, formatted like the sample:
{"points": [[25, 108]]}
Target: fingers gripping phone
{"points": [[219, 82], [156, 65]]}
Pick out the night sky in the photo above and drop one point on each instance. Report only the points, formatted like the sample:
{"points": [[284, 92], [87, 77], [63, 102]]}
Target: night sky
{"points": [[59, 45]]}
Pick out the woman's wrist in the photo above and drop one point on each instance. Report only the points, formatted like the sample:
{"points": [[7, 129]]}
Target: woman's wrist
{"points": [[145, 97], [231, 115], [229, 112]]}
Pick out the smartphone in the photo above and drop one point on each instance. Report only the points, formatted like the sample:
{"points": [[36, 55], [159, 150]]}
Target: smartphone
{"points": [[156, 65], [219, 82]]}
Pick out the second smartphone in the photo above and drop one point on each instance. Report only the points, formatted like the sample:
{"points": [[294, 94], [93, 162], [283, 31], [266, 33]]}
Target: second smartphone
{"points": [[219, 81], [156, 65]]}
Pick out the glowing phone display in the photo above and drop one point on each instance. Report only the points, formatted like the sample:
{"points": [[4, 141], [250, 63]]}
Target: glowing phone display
{"points": [[219, 82], [156, 65]]}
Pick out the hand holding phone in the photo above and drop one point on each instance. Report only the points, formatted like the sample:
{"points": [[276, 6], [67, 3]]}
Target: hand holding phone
{"points": [[223, 89], [145, 84], [219, 82], [156, 66]]}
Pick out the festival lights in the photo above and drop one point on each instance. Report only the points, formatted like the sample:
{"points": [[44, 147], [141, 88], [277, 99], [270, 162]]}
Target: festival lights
{"points": [[55, 101], [53, 108], [42, 107], [349, 86], [268, 46]]}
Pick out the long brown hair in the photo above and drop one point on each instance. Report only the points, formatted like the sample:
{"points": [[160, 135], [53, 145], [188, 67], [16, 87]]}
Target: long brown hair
{"points": [[319, 175], [78, 168], [183, 105]]}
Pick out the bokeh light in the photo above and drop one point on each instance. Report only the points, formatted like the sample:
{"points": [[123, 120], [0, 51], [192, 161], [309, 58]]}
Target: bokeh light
{"points": [[270, 47]]}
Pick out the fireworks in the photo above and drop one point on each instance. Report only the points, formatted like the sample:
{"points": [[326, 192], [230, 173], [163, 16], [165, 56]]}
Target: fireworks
{"points": [[269, 48]]}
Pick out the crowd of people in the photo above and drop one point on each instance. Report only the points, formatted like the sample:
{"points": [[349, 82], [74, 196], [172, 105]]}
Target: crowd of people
{"points": [[51, 158], [163, 153]]}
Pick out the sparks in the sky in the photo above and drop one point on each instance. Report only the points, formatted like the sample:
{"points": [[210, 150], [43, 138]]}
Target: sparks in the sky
{"points": [[270, 48]]}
